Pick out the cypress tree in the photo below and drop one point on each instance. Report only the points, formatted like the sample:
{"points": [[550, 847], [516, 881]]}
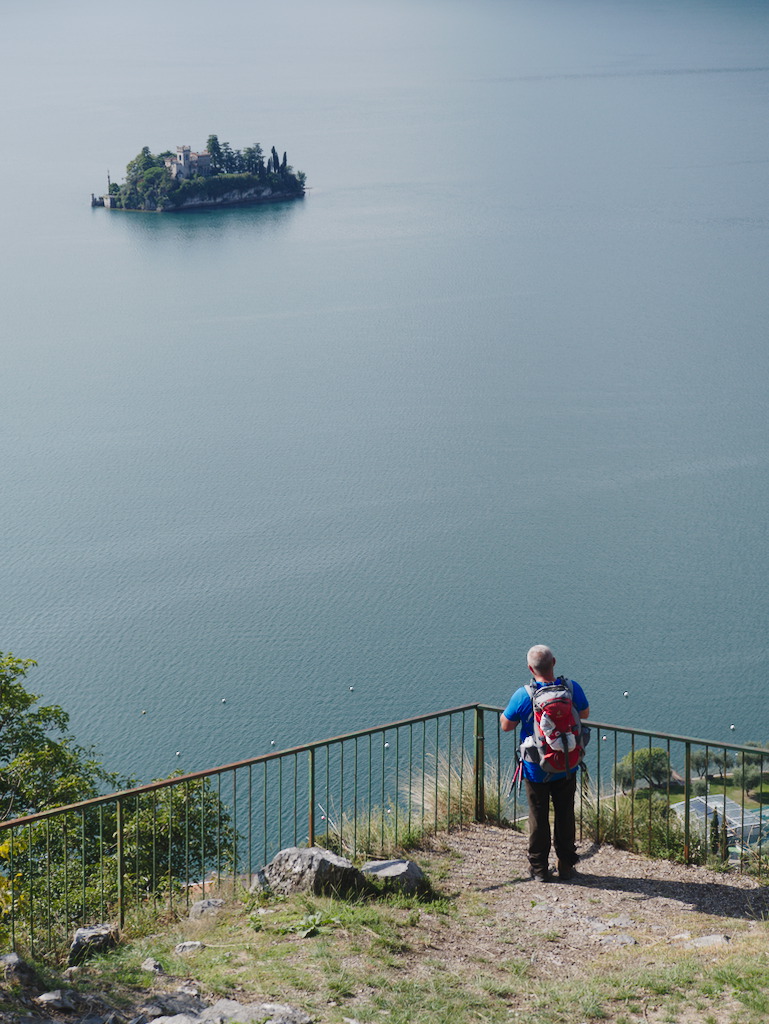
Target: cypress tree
{"points": [[724, 842], [714, 834]]}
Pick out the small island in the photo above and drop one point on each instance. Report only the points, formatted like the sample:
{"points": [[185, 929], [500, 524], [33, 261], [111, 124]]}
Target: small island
{"points": [[219, 176]]}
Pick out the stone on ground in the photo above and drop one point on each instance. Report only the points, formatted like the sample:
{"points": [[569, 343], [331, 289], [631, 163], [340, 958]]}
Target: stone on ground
{"points": [[298, 869], [403, 875]]}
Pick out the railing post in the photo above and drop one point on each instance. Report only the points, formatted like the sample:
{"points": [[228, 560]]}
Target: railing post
{"points": [[120, 863], [687, 798], [480, 810], [311, 797]]}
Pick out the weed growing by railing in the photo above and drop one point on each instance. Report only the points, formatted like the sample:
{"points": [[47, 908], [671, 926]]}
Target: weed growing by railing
{"points": [[441, 798], [642, 822]]}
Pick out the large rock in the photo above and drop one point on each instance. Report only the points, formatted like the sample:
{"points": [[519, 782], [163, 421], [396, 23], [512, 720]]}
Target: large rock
{"points": [[17, 971], [192, 946], [152, 965], [205, 908], [254, 1013], [704, 941], [300, 869], [96, 939], [250, 1013], [59, 999], [169, 1005], [403, 875]]}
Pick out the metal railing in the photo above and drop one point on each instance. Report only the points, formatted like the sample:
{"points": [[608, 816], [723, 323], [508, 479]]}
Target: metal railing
{"points": [[162, 846]]}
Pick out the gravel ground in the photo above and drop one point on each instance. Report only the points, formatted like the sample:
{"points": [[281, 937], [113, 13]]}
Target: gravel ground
{"points": [[616, 899]]}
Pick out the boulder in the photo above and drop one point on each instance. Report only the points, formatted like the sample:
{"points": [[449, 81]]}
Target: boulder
{"points": [[205, 908], [57, 1000], [16, 970], [301, 869], [166, 1006], [96, 939], [705, 941], [152, 965], [231, 1010], [403, 875], [253, 1013], [188, 947]]}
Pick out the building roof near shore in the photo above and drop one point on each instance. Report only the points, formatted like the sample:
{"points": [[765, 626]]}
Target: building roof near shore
{"points": [[741, 823]]}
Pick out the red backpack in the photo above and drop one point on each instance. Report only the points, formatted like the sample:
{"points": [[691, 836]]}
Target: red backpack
{"points": [[557, 743]]}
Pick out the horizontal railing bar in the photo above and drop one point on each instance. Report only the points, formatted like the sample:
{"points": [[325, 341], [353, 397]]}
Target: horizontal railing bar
{"points": [[652, 733], [320, 744], [273, 755]]}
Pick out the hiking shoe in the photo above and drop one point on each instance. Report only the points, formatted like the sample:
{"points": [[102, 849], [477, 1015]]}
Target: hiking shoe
{"points": [[565, 871], [540, 876]]}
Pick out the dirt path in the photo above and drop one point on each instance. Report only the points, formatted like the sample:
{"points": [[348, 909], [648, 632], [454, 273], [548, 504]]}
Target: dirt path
{"points": [[617, 899]]}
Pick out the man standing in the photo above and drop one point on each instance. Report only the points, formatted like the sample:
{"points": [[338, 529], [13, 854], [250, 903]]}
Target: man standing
{"points": [[542, 786]]}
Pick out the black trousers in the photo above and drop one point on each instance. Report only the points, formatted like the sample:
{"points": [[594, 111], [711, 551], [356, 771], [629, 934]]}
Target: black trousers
{"points": [[539, 794]]}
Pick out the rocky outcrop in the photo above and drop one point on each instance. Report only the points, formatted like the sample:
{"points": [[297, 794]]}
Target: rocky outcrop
{"points": [[235, 197], [313, 869], [184, 1006]]}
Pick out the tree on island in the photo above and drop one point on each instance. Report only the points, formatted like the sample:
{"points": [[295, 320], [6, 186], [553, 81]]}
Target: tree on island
{"points": [[214, 150], [151, 185]]}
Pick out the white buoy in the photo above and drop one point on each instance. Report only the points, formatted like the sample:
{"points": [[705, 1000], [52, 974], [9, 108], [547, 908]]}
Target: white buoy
{"points": [[731, 727], [144, 712], [604, 738], [224, 700], [178, 753], [386, 745], [351, 689], [272, 743], [625, 694]]}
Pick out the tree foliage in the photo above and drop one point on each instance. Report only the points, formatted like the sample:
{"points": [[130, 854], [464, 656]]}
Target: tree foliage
{"points": [[41, 765], [723, 761], [760, 757], [715, 833], [747, 776], [700, 761], [149, 184], [650, 765], [66, 866]]}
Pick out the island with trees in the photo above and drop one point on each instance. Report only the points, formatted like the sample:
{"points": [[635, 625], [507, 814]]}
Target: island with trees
{"points": [[218, 176]]}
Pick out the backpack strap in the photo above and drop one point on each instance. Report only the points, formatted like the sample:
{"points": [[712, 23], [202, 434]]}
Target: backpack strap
{"points": [[568, 684], [531, 688]]}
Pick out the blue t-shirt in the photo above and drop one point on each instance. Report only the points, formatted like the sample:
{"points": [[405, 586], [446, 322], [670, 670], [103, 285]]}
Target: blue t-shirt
{"points": [[519, 709]]}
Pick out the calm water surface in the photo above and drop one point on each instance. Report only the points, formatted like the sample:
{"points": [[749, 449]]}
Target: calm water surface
{"points": [[499, 379]]}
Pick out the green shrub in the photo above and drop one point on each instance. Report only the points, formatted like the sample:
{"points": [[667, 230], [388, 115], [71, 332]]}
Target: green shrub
{"points": [[641, 823]]}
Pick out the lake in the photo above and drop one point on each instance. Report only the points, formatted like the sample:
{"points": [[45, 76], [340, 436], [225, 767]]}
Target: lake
{"points": [[500, 378]]}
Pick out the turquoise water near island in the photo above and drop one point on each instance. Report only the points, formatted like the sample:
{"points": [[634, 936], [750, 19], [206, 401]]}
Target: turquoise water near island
{"points": [[501, 378]]}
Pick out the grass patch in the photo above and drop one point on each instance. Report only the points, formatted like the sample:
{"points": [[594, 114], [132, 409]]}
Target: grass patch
{"points": [[406, 959]]}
